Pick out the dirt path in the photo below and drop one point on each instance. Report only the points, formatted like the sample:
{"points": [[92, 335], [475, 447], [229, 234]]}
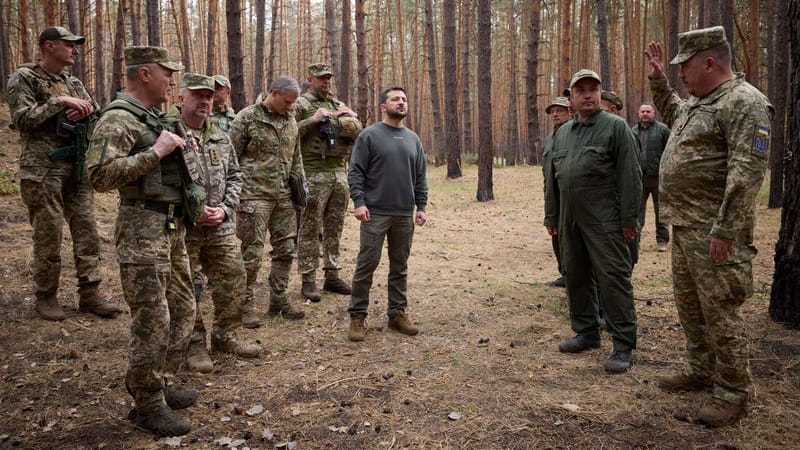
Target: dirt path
{"points": [[477, 274]]}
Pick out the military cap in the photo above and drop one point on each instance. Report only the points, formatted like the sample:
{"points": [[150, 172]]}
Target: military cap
{"points": [[148, 55], [319, 70], [60, 34], [222, 80], [558, 101], [613, 98], [691, 42], [584, 73], [195, 82], [351, 127]]}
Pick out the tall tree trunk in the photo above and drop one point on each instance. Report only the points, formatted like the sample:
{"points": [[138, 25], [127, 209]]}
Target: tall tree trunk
{"points": [[346, 68], [135, 8], [452, 141], [119, 43], [185, 36], [602, 37], [211, 37], [565, 42], [5, 48], [24, 30], [153, 23], [362, 107], [433, 78], [672, 43], [531, 77], [78, 69], [754, 44], [258, 80], [276, 18], [99, 51], [233, 19], [485, 144], [780, 86], [784, 302], [512, 122], [466, 80], [330, 32]]}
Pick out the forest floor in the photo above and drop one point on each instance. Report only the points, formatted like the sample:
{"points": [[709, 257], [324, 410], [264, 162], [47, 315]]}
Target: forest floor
{"points": [[487, 354]]}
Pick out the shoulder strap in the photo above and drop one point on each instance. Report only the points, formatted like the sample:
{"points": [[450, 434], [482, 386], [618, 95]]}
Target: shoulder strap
{"points": [[145, 116]]}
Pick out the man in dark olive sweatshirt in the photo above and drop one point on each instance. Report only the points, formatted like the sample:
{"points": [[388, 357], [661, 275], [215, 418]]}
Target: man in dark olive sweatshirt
{"points": [[387, 182]]}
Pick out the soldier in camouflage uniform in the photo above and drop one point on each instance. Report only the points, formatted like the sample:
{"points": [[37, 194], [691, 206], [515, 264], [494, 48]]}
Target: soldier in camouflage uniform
{"points": [[711, 171], [130, 151], [223, 114], [327, 129], [212, 244], [265, 138], [44, 100]]}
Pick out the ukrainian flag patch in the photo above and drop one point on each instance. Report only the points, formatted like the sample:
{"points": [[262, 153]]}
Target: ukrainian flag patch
{"points": [[761, 140]]}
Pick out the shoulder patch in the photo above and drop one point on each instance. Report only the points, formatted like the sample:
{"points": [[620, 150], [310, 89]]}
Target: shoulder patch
{"points": [[761, 140]]}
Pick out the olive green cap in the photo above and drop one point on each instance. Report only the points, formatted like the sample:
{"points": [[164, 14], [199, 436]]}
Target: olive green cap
{"points": [[691, 42], [222, 80], [558, 101], [148, 55], [584, 73], [60, 34], [613, 98], [196, 82], [319, 70]]}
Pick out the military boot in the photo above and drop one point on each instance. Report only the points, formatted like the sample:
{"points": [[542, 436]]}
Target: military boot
{"points": [[578, 344], [250, 318], [721, 413], [197, 359], [91, 302], [357, 331], [338, 286], [179, 398], [401, 324], [683, 382], [48, 308], [235, 347], [163, 422], [310, 291], [285, 310]]}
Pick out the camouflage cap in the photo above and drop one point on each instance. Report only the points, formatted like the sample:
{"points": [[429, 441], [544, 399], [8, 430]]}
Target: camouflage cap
{"points": [[222, 80], [195, 82], [613, 98], [351, 127], [558, 101], [148, 55], [60, 34], [691, 42], [319, 70], [584, 73]]}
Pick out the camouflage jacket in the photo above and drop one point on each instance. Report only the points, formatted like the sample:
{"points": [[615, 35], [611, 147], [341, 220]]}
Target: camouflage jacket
{"points": [[268, 150], [35, 109], [715, 159], [222, 178], [222, 119], [316, 155]]}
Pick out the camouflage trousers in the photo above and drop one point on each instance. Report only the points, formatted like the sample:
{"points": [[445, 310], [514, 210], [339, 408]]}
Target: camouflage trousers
{"points": [[220, 259], [50, 202], [327, 205], [255, 218], [157, 283], [708, 297]]}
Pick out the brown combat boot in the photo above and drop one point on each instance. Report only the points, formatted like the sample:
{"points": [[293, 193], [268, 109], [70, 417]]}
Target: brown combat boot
{"points": [[357, 331], [92, 302], [338, 286], [250, 318], [401, 324], [197, 359], [163, 422], [683, 382], [235, 347], [285, 310], [720, 413], [310, 291], [179, 398], [48, 308]]}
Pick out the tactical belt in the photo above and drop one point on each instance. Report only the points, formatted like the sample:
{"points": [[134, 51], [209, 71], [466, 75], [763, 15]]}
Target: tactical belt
{"points": [[151, 205]]}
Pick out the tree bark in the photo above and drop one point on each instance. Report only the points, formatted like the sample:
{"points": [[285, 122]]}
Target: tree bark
{"points": [[119, 43], [153, 23], [276, 19], [779, 87], [602, 37], [211, 37], [330, 32], [77, 69], [512, 122], [233, 19], [99, 52], [485, 144], [452, 141], [784, 303], [362, 107], [185, 36], [258, 81], [135, 9], [466, 79], [344, 76], [531, 77], [565, 42], [672, 44], [24, 30], [5, 49], [433, 78]]}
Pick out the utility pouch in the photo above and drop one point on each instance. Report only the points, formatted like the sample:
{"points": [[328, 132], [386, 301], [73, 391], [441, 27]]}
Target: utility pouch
{"points": [[299, 188]]}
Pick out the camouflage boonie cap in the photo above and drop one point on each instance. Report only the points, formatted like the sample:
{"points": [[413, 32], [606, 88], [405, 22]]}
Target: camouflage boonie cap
{"points": [[613, 98], [60, 34], [222, 80], [148, 55], [584, 73], [196, 81], [691, 42], [319, 70], [351, 127], [558, 101]]}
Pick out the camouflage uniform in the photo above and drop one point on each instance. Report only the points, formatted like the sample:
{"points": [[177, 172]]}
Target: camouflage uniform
{"points": [[53, 190], [711, 171], [268, 150], [327, 187], [222, 115], [154, 264]]}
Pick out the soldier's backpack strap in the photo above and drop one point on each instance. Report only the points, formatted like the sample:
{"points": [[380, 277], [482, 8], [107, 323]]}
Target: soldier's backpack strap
{"points": [[155, 123]]}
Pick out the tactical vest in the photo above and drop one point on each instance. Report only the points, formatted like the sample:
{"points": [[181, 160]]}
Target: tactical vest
{"points": [[163, 184], [312, 141]]}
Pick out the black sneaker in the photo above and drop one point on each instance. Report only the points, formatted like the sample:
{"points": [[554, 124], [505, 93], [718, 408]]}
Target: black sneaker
{"points": [[558, 282], [578, 344], [618, 362]]}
